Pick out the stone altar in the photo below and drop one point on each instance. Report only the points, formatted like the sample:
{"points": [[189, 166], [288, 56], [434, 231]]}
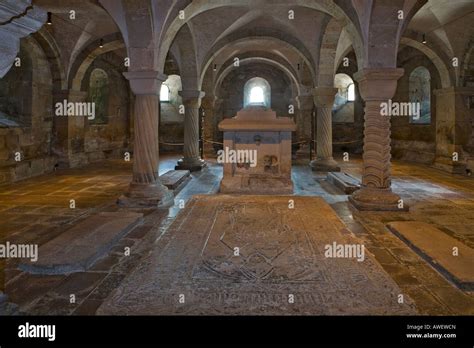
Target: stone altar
{"points": [[257, 131]]}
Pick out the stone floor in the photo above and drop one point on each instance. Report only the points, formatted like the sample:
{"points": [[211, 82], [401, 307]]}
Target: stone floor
{"points": [[279, 268], [37, 210]]}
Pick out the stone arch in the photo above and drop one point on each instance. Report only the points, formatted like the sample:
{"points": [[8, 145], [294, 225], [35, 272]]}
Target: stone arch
{"points": [[211, 57], [187, 63], [52, 53], [200, 6], [327, 54], [88, 55], [446, 80], [244, 61]]}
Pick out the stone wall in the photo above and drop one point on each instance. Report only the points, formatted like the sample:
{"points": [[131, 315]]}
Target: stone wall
{"points": [[108, 138], [414, 142], [230, 95], [28, 102]]}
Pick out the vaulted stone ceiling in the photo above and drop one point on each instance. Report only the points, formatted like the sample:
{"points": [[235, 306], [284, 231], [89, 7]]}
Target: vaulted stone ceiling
{"points": [[204, 43]]}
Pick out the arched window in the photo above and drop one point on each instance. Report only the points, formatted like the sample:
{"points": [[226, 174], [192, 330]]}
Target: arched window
{"points": [[99, 94], [164, 93], [343, 108], [257, 92], [419, 86]]}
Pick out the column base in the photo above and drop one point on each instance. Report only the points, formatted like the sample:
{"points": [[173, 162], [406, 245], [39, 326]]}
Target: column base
{"points": [[446, 164], [147, 196], [324, 165], [193, 165], [372, 199]]}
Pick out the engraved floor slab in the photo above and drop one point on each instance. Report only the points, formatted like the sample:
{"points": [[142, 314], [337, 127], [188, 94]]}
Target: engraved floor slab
{"points": [[281, 257], [437, 248]]}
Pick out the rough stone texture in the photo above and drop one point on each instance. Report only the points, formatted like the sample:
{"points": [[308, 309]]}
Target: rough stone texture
{"points": [[81, 246], [432, 194], [346, 182], [377, 86], [281, 253], [146, 188], [437, 248], [191, 160], [324, 100], [175, 178], [271, 174]]}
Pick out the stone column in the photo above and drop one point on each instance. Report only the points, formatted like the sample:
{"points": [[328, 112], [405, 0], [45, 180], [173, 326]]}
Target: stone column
{"points": [[191, 160], [303, 123], [453, 128], [376, 86], [324, 100], [207, 105], [146, 189], [70, 132]]}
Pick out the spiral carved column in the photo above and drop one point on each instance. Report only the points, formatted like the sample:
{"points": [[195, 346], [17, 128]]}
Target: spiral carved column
{"points": [[324, 100], [377, 86], [146, 188], [191, 160]]}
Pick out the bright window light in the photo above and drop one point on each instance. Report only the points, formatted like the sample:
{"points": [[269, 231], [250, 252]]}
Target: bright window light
{"points": [[256, 95], [351, 93], [164, 93]]}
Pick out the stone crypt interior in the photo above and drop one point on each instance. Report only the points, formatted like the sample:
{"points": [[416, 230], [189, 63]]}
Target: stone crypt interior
{"points": [[344, 211]]}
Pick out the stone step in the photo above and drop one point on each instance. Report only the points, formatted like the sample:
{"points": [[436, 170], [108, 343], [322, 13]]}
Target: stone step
{"points": [[173, 179], [344, 181], [81, 246], [436, 247]]}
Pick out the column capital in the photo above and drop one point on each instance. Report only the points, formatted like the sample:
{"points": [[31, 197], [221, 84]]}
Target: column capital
{"points": [[192, 98], [378, 83], [324, 96], [145, 82]]}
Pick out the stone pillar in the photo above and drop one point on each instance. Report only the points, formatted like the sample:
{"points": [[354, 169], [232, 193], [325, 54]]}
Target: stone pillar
{"points": [[207, 105], [146, 189], [324, 100], [191, 160], [453, 128], [303, 123], [70, 131], [376, 86]]}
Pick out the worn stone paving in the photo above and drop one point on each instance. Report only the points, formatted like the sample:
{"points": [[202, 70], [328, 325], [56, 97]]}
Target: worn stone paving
{"points": [[37, 210], [281, 267]]}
